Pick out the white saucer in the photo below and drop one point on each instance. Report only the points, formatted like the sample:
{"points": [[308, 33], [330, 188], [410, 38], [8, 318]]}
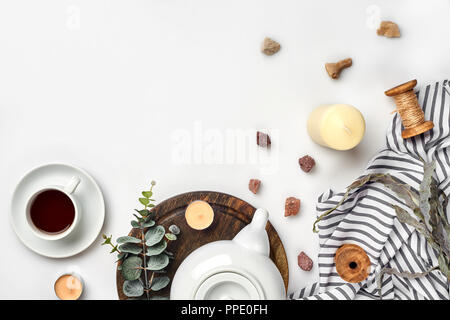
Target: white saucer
{"points": [[89, 197]]}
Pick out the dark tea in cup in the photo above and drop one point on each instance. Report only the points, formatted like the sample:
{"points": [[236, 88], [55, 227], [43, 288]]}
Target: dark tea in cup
{"points": [[52, 211]]}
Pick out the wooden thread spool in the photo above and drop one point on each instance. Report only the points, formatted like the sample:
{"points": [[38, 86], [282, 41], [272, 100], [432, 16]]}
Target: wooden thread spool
{"points": [[412, 115], [352, 263]]}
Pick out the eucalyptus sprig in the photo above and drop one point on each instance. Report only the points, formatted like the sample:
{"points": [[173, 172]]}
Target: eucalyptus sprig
{"points": [[428, 217], [109, 241], [143, 258]]}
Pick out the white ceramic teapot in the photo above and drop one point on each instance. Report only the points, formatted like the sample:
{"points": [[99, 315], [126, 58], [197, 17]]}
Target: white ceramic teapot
{"points": [[238, 269]]}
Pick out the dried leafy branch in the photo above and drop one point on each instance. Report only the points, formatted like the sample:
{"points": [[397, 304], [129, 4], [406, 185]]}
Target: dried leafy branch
{"points": [[428, 217], [403, 191], [147, 253], [405, 274]]}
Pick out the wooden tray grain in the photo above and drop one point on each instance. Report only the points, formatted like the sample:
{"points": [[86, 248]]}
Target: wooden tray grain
{"points": [[231, 215]]}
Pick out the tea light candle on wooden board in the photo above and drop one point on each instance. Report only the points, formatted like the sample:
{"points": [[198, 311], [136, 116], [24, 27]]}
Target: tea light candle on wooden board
{"points": [[199, 215], [337, 126], [68, 287]]}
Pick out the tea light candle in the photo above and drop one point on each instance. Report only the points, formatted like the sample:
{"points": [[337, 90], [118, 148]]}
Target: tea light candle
{"points": [[68, 287], [337, 126], [199, 215]]}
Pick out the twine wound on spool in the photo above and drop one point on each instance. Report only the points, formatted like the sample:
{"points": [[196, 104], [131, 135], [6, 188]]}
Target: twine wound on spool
{"points": [[413, 118]]}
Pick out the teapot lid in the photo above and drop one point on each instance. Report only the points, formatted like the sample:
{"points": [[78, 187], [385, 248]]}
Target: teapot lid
{"points": [[229, 286]]}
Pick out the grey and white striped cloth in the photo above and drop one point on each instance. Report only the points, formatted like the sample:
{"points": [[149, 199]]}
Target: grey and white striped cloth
{"points": [[367, 218]]}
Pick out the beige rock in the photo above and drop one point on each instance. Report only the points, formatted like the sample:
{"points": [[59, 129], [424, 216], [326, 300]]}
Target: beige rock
{"points": [[334, 68], [388, 29], [270, 46]]}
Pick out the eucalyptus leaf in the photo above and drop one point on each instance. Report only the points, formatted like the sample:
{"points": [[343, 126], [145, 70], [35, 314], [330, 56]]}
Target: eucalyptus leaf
{"points": [[142, 212], [435, 204], [441, 237], [144, 201], [107, 239], [130, 248], [122, 255], [444, 205], [171, 236], [438, 220], [405, 217], [157, 262], [360, 182], [137, 298], [157, 248], [147, 194], [418, 213], [154, 235], [149, 223], [403, 191], [133, 288], [425, 192], [130, 268], [159, 298], [444, 266], [128, 239], [160, 283], [135, 224], [409, 275], [174, 229], [159, 271], [442, 212]]}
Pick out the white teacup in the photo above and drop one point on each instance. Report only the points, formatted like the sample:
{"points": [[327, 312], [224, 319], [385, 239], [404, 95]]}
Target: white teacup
{"points": [[68, 190]]}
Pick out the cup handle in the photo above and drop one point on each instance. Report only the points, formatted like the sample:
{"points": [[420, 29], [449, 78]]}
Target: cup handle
{"points": [[72, 185]]}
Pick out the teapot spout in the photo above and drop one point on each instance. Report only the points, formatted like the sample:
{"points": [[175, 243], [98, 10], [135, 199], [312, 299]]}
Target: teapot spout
{"points": [[254, 236]]}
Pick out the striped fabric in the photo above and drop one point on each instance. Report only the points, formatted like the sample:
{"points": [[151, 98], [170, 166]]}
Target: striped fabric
{"points": [[367, 218]]}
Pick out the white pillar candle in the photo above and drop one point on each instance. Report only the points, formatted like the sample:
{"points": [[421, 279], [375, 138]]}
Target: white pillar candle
{"points": [[337, 126]]}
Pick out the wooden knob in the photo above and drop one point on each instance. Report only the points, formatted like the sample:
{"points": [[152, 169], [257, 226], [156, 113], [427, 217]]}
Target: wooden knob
{"points": [[401, 88], [419, 129], [352, 263]]}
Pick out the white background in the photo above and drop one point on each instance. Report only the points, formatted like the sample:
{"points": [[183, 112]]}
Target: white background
{"points": [[104, 85]]}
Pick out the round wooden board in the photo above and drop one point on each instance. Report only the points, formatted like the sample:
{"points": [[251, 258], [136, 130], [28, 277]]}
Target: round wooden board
{"points": [[230, 216]]}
